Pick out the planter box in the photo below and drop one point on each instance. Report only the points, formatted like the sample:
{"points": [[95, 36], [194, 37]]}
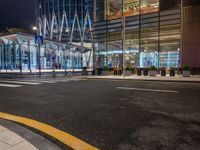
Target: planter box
{"points": [[186, 73], [172, 73], [145, 72], [128, 73], [105, 72], [84, 72], [163, 72], [139, 72], [152, 73]]}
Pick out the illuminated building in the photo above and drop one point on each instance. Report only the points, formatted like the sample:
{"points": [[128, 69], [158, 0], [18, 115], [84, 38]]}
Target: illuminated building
{"points": [[156, 33]]}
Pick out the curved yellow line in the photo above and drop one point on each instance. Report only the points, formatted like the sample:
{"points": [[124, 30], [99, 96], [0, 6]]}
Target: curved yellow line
{"points": [[62, 136]]}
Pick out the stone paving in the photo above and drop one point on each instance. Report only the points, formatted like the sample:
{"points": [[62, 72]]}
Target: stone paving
{"points": [[11, 141]]}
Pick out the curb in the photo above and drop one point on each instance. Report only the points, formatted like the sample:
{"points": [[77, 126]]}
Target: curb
{"points": [[35, 139], [155, 80]]}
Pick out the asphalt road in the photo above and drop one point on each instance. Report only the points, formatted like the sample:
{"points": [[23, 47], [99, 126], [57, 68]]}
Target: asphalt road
{"points": [[143, 118]]}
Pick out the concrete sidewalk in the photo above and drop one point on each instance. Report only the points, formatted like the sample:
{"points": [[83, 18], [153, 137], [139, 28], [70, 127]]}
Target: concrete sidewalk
{"points": [[147, 78], [11, 141], [16, 137]]}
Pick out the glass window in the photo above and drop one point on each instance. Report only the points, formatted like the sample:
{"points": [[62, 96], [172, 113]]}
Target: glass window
{"points": [[132, 48], [170, 46], [131, 7], [114, 9], [114, 54], [149, 6], [100, 54], [169, 4], [100, 10], [149, 47]]}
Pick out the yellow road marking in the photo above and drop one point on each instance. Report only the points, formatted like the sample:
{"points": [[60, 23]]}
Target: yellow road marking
{"points": [[62, 136]]}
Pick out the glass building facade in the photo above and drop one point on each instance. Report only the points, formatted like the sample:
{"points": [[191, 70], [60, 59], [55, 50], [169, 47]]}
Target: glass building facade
{"points": [[18, 52], [67, 21], [152, 33]]}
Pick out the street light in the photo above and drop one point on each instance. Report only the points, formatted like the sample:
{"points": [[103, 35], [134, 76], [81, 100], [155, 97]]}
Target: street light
{"points": [[35, 29], [123, 37]]}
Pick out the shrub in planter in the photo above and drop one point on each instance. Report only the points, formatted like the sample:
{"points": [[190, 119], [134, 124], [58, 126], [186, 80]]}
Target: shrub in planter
{"points": [[186, 71], [145, 71], [152, 71], [128, 70], [172, 72], [84, 71], [163, 71], [139, 72], [105, 70]]}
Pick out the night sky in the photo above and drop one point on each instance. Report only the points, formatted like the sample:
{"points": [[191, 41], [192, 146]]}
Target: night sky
{"points": [[17, 13]]}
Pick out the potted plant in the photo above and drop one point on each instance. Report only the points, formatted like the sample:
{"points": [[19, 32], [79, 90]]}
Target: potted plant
{"points": [[172, 72], [128, 70], [84, 71], [105, 70], [152, 71], [186, 71], [163, 71], [145, 71], [139, 71]]}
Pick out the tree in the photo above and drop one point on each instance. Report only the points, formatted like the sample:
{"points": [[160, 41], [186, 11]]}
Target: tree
{"points": [[14, 30]]}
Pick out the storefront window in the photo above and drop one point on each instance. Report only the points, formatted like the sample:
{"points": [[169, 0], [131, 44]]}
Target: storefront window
{"points": [[114, 54], [170, 46], [101, 54], [149, 47], [132, 48]]}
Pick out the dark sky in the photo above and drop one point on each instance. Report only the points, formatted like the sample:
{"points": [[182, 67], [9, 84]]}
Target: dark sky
{"points": [[17, 13]]}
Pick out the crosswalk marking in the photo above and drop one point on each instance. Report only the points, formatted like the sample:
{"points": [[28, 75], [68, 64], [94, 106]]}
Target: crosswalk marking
{"points": [[67, 80], [10, 85], [20, 82], [39, 81]]}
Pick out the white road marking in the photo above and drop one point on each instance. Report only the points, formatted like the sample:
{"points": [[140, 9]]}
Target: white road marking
{"points": [[148, 90], [61, 80], [77, 79], [39, 81], [19, 82], [10, 85]]}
